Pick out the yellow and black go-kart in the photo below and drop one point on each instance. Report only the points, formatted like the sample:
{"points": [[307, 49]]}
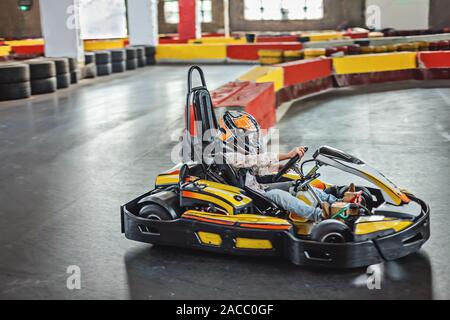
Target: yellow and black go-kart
{"points": [[204, 204]]}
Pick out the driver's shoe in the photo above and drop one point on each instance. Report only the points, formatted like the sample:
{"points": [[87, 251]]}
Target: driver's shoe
{"points": [[351, 196], [326, 211]]}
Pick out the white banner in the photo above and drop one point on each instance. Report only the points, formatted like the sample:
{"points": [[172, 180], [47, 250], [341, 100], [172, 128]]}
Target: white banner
{"points": [[103, 19]]}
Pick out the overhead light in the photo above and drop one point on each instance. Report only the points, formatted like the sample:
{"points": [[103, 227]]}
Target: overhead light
{"points": [[25, 5]]}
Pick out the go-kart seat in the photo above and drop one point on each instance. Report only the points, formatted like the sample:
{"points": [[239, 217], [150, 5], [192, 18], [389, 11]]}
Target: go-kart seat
{"points": [[237, 178]]}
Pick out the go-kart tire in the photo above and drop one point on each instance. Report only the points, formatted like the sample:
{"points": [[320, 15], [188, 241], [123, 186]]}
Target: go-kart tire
{"points": [[63, 80], [41, 86], [75, 76], [131, 53], [149, 50], [102, 57], [89, 57], [73, 64], [16, 90], [331, 231], [119, 66], [61, 65], [12, 73], [142, 62], [118, 55], [150, 60], [90, 71], [132, 64], [154, 212], [41, 69], [104, 69]]}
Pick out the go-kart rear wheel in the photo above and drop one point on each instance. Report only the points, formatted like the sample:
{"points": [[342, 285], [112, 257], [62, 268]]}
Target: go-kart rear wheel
{"points": [[154, 212], [331, 231]]}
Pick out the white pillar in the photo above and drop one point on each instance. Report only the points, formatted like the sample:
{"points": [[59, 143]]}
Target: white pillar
{"points": [[198, 19], [61, 28], [226, 17], [143, 22]]}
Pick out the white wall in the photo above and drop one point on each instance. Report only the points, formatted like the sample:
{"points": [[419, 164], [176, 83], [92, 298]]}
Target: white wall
{"points": [[402, 14]]}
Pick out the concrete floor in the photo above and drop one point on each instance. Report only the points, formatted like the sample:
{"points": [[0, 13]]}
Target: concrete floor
{"points": [[69, 160]]}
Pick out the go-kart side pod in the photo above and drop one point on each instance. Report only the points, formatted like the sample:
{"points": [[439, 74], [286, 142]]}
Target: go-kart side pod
{"points": [[218, 234]]}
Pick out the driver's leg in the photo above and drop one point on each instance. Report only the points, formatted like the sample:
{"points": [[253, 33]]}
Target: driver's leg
{"points": [[290, 203], [325, 196]]}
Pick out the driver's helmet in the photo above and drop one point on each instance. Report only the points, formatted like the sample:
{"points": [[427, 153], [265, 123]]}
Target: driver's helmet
{"points": [[240, 132]]}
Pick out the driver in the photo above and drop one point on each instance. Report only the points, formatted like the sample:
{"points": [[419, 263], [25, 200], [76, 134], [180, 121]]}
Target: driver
{"points": [[244, 149]]}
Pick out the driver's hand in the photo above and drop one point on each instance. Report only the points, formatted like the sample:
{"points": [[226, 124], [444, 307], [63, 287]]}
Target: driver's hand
{"points": [[300, 151]]}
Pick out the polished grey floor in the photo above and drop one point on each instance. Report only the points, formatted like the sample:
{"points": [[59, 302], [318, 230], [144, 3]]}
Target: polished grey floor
{"points": [[69, 160]]}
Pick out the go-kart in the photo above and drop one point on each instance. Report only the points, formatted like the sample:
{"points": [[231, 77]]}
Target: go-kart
{"points": [[204, 204]]}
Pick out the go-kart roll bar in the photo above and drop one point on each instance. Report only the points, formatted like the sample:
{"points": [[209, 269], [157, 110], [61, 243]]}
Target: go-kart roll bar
{"points": [[190, 91], [203, 113]]}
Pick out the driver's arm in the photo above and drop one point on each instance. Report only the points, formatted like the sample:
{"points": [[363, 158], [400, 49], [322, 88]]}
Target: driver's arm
{"points": [[296, 151], [266, 160]]}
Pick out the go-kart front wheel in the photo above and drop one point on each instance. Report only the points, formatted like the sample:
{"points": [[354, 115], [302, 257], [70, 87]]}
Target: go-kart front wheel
{"points": [[331, 231], [154, 212]]}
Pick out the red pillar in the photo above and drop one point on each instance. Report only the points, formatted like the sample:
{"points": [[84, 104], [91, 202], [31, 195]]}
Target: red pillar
{"points": [[188, 25]]}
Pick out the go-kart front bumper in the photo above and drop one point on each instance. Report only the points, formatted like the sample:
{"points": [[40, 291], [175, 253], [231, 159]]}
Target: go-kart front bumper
{"points": [[184, 233]]}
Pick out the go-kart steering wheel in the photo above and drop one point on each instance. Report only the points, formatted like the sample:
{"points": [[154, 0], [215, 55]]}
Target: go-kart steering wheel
{"points": [[287, 166]]}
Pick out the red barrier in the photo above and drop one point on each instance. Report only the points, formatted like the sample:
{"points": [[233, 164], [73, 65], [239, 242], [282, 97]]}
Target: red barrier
{"points": [[303, 89], [434, 74], [306, 70], [171, 41], [344, 80], [357, 35], [249, 51], [265, 39], [26, 50], [436, 59], [258, 99]]}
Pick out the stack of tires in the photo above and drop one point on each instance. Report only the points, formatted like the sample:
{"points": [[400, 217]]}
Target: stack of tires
{"points": [[103, 62], [140, 52], [14, 82], [43, 76], [90, 67], [75, 73], [150, 55], [118, 57], [132, 61], [63, 78]]}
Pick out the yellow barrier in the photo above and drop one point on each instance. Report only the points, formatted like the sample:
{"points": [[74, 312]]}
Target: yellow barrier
{"points": [[4, 50], [375, 63], [265, 74], [273, 53], [217, 40], [323, 36], [184, 52], [95, 45], [314, 53], [28, 42]]}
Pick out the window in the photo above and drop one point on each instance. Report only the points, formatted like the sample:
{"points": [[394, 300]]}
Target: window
{"points": [[206, 11], [172, 13], [283, 9]]}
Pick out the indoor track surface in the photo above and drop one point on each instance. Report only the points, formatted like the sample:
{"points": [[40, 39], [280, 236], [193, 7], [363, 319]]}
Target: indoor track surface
{"points": [[69, 160]]}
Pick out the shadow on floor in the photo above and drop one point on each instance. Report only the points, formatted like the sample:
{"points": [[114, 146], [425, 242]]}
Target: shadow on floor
{"points": [[172, 273]]}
